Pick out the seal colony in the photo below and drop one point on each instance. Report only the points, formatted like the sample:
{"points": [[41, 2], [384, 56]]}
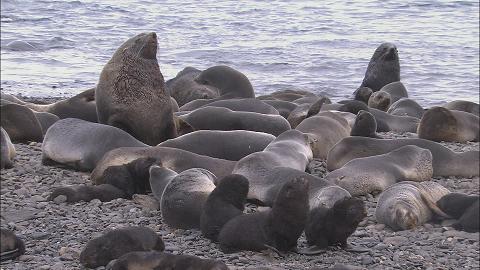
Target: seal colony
{"points": [[202, 180]]}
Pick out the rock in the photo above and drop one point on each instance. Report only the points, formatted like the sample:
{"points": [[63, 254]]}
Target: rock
{"points": [[366, 260], [395, 240], [60, 199]]}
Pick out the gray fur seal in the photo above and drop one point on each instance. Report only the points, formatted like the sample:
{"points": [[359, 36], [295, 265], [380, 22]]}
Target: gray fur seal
{"points": [[406, 205], [396, 90], [229, 145], [362, 94], [445, 161], [305, 110], [45, 119], [365, 125], [81, 144], [20, 123], [278, 228], [463, 105], [388, 122], [373, 174], [284, 108], [101, 250], [380, 100], [244, 105], [406, 107], [184, 196], [464, 208], [216, 118], [383, 68], [7, 150], [184, 88], [441, 124], [11, 246], [131, 93]]}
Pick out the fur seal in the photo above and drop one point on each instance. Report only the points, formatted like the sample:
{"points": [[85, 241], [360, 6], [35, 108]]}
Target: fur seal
{"points": [[20, 123], [81, 144], [396, 90], [226, 201], [362, 94], [159, 177], [365, 125], [184, 196], [152, 260], [406, 107], [373, 174], [284, 108], [406, 205], [245, 105], [383, 68], [279, 227], [388, 122], [45, 119], [464, 208], [288, 95], [184, 88], [113, 244], [7, 150], [445, 161], [305, 110], [441, 124], [131, 94], [380, 100], [229, 145], [216, 118], [463, 105], [10, 245]]}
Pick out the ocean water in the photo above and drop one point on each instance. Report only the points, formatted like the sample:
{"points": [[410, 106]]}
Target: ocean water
{"points": [[321, 46]]}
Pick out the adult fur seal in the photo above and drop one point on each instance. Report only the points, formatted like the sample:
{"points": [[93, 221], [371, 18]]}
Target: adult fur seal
{"points": [[464, 208], [81, 144], [463, 105], [445, 161], [388, 122], [153, 260], [383, 68], [131, 92], [284, 108], [184, 196], [226, 201], [279, 227], [441, 124], [305, 110], [10, 245], [216, 118], [20, 123], [230, 145], [396, 90], [373, 174], [406, 107], [45, 119], [244, 105], [184, 88], [365, 125], [101, 250], [7, 150], [406, 205]]}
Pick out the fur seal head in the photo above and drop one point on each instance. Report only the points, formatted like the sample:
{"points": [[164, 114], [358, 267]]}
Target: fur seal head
{"points": [[380, 100], [365, 125], [362, 94]]}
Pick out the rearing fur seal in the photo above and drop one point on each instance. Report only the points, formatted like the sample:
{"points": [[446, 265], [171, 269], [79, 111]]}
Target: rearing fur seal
{"points": [[384, 67]]}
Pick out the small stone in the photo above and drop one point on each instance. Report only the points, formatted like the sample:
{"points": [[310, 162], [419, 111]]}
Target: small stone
{"points": [[366, 260], [395, 240], [379, 227], [38, 198], [60, 199], [44, 267], [58, 266]]}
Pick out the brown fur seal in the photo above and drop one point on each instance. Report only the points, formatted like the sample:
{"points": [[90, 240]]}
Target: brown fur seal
{"points": [[216, 118], [81, 144], [10, 245], [284, 108], [383, 68], [445, 161], [388, 122], [184, 88], [365, 125], [101, 250], [305, 110], [463, 105], [226, 201], [7, 150], [131, 92], [279, 227], [154, 260], [245, 105], [229, 145], [464, 208], [380, 100], [20, 123], [396, 90], [441, 124], [362, 94], [45, 119], [373, 174], [406, 205], [406, 107]]}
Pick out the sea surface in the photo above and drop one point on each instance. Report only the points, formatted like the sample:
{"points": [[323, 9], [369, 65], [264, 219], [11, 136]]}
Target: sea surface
{"points": [[58, 48]]}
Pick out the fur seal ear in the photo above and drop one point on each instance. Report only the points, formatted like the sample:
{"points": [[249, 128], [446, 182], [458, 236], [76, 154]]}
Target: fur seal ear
{"points": [[315, 108], [182, 126]]}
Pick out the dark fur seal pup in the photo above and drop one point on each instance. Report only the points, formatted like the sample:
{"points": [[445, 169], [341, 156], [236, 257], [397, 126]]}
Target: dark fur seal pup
{"points": [[365, 125], [463, 105], [226, 201], [463, 207], [406, 107], [441, 124], [10, 245], [154, 260], [279, 227], [101, 250], [7, 150], [332, 226], [384, 67], [20, 123], [184, 88], [362, 94], [131, 92]]}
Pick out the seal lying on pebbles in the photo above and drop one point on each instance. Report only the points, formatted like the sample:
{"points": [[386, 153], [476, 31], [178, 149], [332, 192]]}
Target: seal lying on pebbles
{"points": [[445, 161], [229, 145], [152, 260], [81, 144], [226, 201], [7, 150], [406, 205], [406, 107], [228, 82], [216, 118], [101, 250], [245, 105], [184, 88], [396, 91], [383, 68], [184, 196], [10, 245], [284, 108], [388, 122], [373, 174], [290, 149], [279, 227], [286, 95], [362, 94], [463, 207], [131, 94], [20, 123], [365, 125], [441, 124], [305, 110], [463, 105]]}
